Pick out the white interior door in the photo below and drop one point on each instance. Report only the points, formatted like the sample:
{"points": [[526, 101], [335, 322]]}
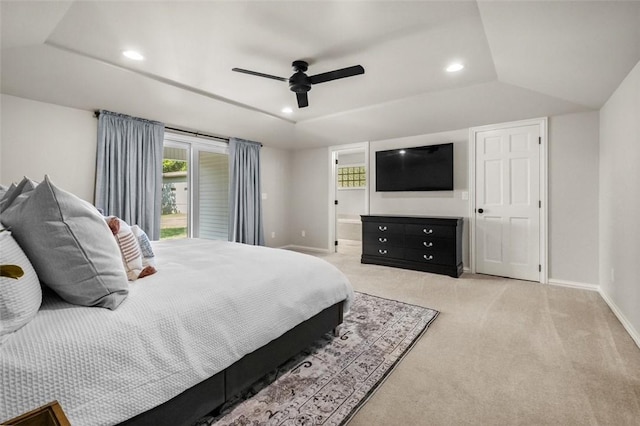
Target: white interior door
{"points": [[507, 216]]}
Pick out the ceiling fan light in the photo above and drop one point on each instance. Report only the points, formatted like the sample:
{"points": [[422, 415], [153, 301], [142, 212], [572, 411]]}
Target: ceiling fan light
{"points": [[132, 54], [454, 67]]}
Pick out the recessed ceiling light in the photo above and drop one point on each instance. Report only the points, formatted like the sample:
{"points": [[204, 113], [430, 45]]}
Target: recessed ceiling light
{"points": [[287, 110], [456, 66], [402, 151], [132, 54]]}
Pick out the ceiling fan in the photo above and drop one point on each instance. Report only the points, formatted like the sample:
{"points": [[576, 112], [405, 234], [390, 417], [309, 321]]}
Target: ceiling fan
{"points": [[300, 83]]}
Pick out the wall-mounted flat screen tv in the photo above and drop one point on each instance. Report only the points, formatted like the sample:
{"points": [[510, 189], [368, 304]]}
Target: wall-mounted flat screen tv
{"points": [[423, 168]]}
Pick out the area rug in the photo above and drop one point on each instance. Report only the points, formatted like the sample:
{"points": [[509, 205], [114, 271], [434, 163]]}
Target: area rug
{"points": [[331, 380]]}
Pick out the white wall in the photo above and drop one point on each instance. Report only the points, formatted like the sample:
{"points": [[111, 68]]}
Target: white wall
{"points": [[351, 202], [310, 198], [437, 203], [276, 184], [573, 198], [37, 138], [620, 201]]}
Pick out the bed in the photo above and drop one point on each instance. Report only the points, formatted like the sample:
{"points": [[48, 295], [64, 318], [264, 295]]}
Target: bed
{"points": [[213, 319]]}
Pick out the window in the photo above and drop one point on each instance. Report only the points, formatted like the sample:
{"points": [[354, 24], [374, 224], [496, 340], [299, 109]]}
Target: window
{"points": [[352, 176], [175, 196], [195, 190]]}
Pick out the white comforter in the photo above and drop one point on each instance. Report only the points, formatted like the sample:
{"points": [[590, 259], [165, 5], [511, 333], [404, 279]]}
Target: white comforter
{"points": [[210, 303]]}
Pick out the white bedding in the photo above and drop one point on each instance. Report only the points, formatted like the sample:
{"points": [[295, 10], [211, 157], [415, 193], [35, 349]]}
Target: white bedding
{"points": [[174, 330]]}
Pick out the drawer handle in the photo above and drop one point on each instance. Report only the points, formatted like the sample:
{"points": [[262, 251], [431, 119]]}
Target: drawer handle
{"points": [[430, 231], [430, 257], [382, 251], [382, 228], [427, 244], [382, 240]]}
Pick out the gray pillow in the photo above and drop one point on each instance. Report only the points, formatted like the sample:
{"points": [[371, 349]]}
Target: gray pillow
{"points": [[25, 186], [7, 194], [69, 245]]}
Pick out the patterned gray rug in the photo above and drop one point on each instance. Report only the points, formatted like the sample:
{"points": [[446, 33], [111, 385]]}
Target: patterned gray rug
{"points": [[328, 383]]}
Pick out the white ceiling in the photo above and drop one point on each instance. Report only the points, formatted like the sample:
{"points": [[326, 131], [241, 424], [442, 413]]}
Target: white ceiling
{"points": [[522, 60]]}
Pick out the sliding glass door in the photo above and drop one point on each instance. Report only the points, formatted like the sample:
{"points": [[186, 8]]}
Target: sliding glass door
{"points": [[213, 195], [198, 190]]}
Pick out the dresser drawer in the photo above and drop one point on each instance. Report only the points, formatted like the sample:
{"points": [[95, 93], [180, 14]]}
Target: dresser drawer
{"points": [[383, 228], [440, 231], [430, 256], [439, 245], [384, 240], [382, 251]]}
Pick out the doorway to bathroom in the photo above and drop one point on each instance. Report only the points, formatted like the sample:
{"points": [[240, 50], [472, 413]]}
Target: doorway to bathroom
{"points": [[349, 195]]}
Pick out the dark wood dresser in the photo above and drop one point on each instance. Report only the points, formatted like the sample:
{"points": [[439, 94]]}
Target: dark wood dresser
{"points": [[430, 244]]}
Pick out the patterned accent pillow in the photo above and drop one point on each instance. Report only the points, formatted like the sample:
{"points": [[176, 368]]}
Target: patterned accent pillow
{"points": [[20, 292], [148, 258], [129, 248]]}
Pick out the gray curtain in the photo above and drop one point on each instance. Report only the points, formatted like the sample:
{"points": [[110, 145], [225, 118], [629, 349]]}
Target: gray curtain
{"points": [[129, 170], [245, 198]]}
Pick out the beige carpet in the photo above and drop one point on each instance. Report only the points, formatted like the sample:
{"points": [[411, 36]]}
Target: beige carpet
{"points": [[502, 352]]}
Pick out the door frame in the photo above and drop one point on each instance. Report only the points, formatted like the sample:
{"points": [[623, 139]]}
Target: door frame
{"points": [[333, 171], [542, 122]]}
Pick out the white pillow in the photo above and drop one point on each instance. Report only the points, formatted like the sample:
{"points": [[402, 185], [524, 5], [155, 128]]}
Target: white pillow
{"points": [[20, 298]]}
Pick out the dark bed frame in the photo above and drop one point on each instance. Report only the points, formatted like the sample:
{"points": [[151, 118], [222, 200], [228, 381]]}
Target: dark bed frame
{"points": [[196, 402]]}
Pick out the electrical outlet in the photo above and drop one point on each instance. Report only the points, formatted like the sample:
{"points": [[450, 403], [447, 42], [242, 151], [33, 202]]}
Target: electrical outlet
{"points": [[304, 233], [465, 195], [273, 235]]}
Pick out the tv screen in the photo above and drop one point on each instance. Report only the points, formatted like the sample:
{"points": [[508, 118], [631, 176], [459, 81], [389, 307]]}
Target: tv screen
{"points": [[423, 168]]}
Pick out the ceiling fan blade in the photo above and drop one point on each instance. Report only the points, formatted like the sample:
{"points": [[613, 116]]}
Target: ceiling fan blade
{"points": [[334, 75], [259, 74], [303, 100]]}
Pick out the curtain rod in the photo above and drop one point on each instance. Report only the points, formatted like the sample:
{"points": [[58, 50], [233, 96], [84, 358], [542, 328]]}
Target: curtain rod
{"points": [[196, 134]]}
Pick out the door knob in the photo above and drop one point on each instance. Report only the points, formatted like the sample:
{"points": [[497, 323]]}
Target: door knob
{"points": [[480, 211]]}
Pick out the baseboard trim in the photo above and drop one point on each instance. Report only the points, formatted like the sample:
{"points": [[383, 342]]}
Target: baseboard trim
{"points": [[574, 284], [304, 248], [623, 320]]}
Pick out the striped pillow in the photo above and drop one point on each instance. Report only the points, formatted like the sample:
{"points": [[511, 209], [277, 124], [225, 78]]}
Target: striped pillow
{"points": [[129, 248]]}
